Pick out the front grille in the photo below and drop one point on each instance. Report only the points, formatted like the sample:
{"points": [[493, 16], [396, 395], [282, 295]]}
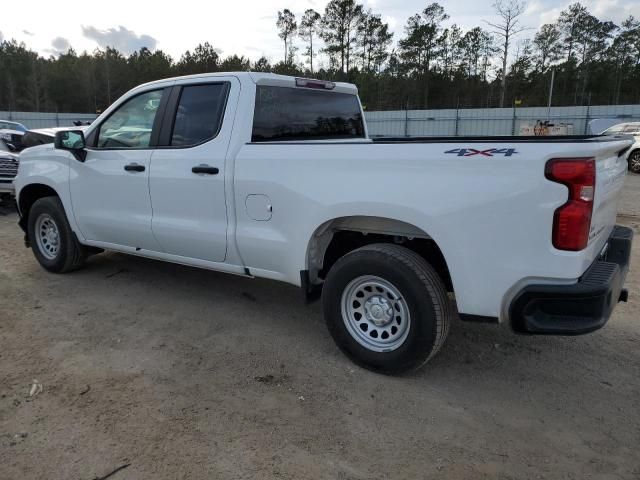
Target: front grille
{"points": [[8, 167]]}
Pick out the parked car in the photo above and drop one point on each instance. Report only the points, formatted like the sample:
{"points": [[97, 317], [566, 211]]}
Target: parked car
{"points": [[9, 158], [11, 134], [8, 171], [633, 154], [41, 136], [8, 125], [270, 176]]}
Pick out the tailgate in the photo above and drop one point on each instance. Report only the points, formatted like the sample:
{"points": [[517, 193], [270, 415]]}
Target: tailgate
{"points": [[610, 172]]}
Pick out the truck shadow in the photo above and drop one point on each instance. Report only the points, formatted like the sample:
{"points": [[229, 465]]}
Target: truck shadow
{"points": [[188, 301]]}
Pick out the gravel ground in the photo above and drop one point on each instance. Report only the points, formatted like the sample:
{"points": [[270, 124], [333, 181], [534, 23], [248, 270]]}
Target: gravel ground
{"points": [[187, 374]]}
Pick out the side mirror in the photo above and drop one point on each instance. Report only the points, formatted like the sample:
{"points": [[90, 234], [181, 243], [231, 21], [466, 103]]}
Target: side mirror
{"points": [[72, 141]]}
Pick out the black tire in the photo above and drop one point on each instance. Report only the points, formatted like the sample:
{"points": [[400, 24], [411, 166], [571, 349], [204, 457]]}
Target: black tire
{"points": [[70, 255], [421, 288], [634, 161]]}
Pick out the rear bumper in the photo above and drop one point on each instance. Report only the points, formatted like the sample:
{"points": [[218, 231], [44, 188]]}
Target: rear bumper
{"points": [[581, 307]]}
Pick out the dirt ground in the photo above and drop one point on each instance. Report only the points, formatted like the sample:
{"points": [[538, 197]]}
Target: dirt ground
{"points": [[181, 373]]}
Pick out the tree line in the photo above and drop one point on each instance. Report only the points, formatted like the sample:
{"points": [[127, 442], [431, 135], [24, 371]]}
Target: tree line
{"points": [[432, 64]]}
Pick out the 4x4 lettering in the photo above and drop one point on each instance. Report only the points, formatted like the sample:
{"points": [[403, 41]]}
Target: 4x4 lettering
{"points": [[507, 152], [485, 153], [489, 152], [459, 151]]}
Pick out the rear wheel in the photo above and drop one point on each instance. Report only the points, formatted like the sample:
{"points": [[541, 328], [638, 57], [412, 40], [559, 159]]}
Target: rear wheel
{"points": [[53, 243], [386, 308], [634, 161]]}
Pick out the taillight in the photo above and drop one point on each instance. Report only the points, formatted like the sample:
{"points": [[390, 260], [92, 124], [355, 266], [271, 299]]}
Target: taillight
{"points": [[572, 221]]}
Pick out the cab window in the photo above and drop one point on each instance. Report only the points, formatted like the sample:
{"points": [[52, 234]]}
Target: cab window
{"points": [[284, 114], [199, 114], [130, 125]]}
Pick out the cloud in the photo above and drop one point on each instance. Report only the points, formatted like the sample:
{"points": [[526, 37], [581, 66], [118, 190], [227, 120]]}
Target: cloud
{"points": [[27, 32], [1, 37], [542, 11], [60, 45], [121, 38], [392, 21]]}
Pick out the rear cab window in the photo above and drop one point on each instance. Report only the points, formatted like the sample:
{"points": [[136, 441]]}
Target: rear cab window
{"points": [[296, 114]]}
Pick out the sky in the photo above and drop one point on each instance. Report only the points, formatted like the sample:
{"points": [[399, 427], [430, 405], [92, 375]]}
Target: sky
{"points": [[244, 27]]}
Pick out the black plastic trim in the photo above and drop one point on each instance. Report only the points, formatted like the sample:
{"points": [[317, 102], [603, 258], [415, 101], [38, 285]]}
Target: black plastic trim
{"points": [[456, 140], [503, 139], [157, 121], [166, 127], [467, 317], [581, 307], [310, 291]]}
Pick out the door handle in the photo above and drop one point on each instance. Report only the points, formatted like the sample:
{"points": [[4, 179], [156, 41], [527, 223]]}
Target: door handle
{"points": [[205, 169], [134, 167]]}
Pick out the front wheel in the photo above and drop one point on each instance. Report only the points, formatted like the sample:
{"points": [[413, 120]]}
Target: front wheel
{"points": [[53, 243], [386, 308], [634, 161]]}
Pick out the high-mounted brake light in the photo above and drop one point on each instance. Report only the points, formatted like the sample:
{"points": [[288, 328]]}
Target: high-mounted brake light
{"points": [[310, 83], [572, 221]]}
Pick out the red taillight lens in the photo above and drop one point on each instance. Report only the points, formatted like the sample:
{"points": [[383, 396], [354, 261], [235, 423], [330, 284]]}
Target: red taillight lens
{"points": [[572, 221]]}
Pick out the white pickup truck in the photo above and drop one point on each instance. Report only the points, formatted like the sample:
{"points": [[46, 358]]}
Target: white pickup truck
{"points": [[270, 176]]}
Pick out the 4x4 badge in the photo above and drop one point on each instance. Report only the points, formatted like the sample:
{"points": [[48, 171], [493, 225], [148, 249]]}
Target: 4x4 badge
{"points": [[490, 152]]}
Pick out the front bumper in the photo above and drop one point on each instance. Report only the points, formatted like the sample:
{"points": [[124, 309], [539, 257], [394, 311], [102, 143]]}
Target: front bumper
{"points": [[581, 307], [6, 186]]}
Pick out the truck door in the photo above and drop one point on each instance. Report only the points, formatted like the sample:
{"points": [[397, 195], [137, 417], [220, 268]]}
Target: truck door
{"points": [[110, 189], [187, 181]]}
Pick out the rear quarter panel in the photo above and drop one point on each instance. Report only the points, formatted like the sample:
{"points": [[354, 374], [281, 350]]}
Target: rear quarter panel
{"points": [[490, 215]]}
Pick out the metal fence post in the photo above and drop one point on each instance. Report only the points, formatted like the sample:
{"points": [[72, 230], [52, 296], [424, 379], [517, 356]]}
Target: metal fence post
{"points": [[457, 119], [406, 121], [586, 120], [513, 120]]}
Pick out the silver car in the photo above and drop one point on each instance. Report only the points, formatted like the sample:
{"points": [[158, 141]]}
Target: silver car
{"points": [[630, 128]]}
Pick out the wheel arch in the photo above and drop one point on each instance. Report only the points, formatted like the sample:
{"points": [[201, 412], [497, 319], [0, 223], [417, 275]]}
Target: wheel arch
{"points": [[27, 196], [338, 236]]}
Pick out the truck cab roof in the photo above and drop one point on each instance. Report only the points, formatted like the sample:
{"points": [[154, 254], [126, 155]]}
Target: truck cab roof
{"points": [[261, 78]]}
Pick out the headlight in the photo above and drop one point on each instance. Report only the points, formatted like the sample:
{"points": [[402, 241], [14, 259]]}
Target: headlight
{"points": [[5, 136]]}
